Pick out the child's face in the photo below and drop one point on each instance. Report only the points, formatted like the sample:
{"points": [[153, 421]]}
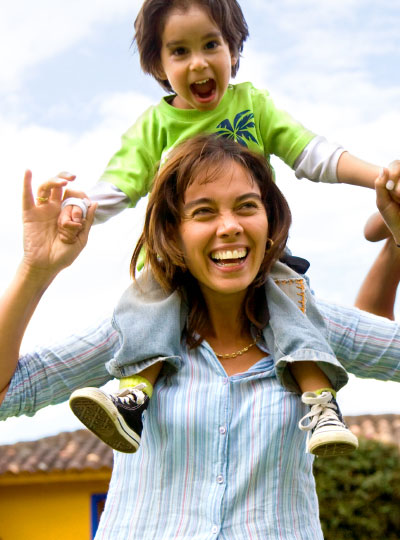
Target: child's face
{"points": [[195, 59]]}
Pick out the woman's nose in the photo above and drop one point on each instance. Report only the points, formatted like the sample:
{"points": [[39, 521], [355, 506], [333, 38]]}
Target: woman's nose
{"points": [[229, 225]]}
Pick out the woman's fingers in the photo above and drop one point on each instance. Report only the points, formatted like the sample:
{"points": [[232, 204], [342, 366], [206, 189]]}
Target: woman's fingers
{"points": [[393, 183], [51, 190], [27, 195], [388, 207]]}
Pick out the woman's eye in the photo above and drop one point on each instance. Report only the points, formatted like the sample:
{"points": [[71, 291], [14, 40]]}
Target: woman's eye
{"points": [[202, 212], [248, 206]]}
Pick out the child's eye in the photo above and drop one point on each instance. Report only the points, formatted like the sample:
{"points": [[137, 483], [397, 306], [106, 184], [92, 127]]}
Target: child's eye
{"points": [[179, 51], [212, 44]]}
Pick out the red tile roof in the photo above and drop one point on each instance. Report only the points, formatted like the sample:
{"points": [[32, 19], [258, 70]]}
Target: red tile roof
{"points": [[82, 451], [70, 451]]}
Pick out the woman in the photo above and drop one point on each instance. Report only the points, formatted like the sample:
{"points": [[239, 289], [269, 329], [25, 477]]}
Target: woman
{"points": [[221, 454]]}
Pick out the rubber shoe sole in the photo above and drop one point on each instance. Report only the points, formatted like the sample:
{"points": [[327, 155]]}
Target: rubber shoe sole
{"points": [[331, 443], [99, 414]]}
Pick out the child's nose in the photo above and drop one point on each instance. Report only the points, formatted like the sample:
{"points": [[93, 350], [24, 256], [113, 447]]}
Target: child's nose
{"points": [[198, 62]]}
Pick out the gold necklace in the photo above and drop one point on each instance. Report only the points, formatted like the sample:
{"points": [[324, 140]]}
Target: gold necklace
{"points": [[242, 351]]}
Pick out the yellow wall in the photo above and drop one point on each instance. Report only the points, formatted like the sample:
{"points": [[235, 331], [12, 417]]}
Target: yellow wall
{"points": [[52, 511]]}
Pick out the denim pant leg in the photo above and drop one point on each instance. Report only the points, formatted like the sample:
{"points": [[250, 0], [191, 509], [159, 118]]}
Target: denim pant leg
{"points": [[149, 323], [294, 334]]}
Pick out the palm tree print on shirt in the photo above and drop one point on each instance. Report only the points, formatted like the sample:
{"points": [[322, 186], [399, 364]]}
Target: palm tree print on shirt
{"points": [[239, 132]]}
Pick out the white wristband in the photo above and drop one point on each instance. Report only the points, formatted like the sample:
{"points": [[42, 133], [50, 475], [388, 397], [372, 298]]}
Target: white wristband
{"points": [[83, 204]]}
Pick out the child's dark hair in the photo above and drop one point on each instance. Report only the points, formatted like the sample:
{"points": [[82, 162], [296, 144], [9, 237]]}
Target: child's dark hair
{"points": [[227, 14]]}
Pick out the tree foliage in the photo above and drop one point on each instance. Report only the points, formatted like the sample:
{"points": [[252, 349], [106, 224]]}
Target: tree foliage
{"points": [[359, 494]]}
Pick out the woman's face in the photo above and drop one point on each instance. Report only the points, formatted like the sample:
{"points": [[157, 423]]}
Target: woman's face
{"points": [[223, 231]]}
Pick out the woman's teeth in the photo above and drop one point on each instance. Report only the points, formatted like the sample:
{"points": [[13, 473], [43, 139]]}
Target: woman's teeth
{"points": [[233, 256]]}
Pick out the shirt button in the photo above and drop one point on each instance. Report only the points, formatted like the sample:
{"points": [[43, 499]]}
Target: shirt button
{"points": [[220, 479], [222, 430], [225, 381], [214, 530]]}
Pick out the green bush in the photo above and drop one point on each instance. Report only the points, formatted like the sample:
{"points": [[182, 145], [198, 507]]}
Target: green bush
{"points": [[359, 494]]}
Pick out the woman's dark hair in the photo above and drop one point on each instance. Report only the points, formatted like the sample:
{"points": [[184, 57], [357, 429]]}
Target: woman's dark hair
{"points": [[150, 21], [205, 157]]}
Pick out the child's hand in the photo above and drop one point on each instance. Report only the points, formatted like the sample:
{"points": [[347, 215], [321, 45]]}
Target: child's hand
{"points": [[387, 205], [73, 212]]}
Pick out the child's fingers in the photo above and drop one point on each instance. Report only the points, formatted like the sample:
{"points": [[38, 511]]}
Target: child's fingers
{"points": [[77, 214]]}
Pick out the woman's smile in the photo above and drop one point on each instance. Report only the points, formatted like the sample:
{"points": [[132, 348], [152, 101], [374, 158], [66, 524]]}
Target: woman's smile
{"points": [[229, 258]]}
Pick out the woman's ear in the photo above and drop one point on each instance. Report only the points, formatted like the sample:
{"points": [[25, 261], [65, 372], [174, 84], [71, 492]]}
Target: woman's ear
{"points": [[233, 60]]}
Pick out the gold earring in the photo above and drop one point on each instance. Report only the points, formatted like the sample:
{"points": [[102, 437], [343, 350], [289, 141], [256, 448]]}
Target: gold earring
{"points": [[269, 244]]}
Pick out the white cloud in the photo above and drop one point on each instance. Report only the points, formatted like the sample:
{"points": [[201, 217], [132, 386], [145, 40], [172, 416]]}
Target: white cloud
{"points": [[33, 32]]}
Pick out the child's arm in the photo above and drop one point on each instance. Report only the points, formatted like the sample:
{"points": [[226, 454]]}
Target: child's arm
{"points": [[355, 171]]}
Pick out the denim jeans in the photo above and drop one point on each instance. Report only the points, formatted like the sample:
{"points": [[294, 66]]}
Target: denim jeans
{"points": [[150, 325]]}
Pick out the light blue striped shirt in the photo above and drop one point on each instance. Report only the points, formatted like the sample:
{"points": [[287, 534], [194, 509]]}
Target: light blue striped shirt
{"points": [[221, 457]]}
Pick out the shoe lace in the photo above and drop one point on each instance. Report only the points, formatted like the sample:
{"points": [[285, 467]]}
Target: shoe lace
{"points": [[323, 410], [133, 395]]}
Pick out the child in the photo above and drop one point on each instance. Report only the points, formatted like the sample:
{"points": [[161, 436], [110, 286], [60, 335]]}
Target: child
{"points": [[192, 48]]}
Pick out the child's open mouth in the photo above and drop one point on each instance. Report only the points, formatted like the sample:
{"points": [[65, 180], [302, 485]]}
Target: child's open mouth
{"points": [[204, 90]]}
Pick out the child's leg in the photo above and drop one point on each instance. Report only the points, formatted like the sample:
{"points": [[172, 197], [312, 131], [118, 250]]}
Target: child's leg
{"points": [[329, 434], [149, 323], [377, 293], [375, 229], [304, 361]]}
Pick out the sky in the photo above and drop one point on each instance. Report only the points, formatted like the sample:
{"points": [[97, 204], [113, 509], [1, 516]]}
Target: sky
{"points": [[70, 85]]}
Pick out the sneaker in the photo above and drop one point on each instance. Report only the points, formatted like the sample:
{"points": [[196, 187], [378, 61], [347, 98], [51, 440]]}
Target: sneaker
{"points": [[328, 435], [115, 418]]}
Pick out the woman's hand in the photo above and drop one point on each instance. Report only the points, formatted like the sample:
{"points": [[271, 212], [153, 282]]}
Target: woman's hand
{"points": [[387, 205], [44, 251]]}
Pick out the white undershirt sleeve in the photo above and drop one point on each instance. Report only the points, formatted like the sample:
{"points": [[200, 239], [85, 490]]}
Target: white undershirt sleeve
{"points": [[318, 161], [111, 200]]}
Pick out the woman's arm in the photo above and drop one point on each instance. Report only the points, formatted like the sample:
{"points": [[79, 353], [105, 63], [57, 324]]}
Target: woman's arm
{"points": [[378, 291], [45, 255], [366, 345], [48, 375]]}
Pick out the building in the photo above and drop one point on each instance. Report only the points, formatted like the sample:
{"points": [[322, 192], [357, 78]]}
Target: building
{"points": [[55, 488]]}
